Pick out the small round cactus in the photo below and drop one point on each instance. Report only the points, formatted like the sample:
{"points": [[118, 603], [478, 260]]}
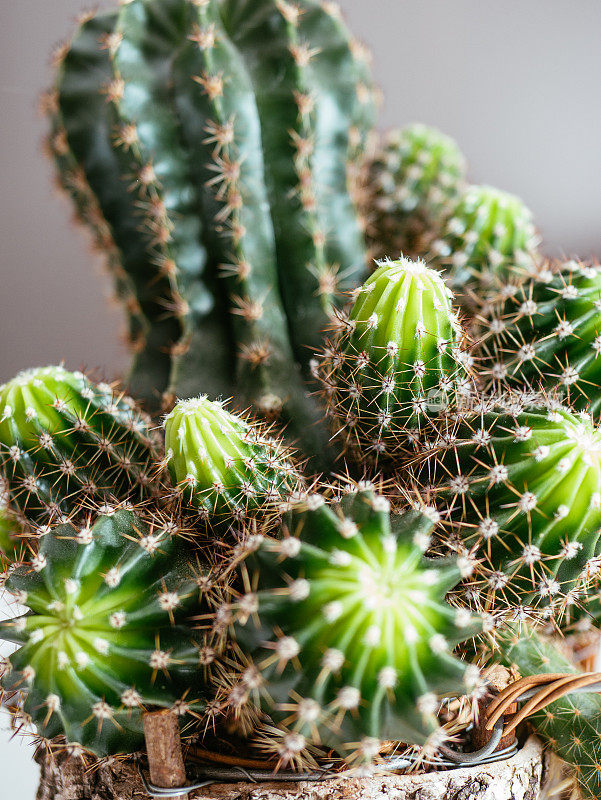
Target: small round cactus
{"points": [[343, 634], [103, 639], [520, 489], [224, 466], [397, 363], [547, 335], [488, 238], [66, 442], [413, 182]]}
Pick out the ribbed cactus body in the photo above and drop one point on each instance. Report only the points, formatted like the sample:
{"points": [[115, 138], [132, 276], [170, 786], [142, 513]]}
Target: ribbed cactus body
{"points": [[487, 239], [521, 490], [414, 180], [224, 181], [103, 638], [222, 466], [343, 633], [397, 362], [66, 441], [547, 335]]}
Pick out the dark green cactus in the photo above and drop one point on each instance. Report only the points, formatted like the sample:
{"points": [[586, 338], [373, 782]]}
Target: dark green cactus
{"points": [[11, 544], [342, 630], [224, 467], [414, 179], [65, 441], [397, 363], [520, 490], [105, 634], [168, 115], [546, 335], [487, 239]]}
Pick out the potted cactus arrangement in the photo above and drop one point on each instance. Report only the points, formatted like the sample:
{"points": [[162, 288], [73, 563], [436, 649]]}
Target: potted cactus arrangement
{"points": [[344, 539]]}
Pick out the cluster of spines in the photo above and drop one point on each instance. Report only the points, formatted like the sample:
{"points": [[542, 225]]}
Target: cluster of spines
{"points": [[545, 335], [66, 442], [340, 633], [105, 637]]}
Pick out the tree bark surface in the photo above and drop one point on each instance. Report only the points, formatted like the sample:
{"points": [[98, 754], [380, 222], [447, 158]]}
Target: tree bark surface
{"points": [[518, 778]]}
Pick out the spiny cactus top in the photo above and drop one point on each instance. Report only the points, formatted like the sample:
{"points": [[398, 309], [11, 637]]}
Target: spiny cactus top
{"points": [[488, 238], [223, 466], [397, 363], [413, 181], [208, 145], [65, 441], [103, 638], [344, 635], [521, 489], [547, 334]]}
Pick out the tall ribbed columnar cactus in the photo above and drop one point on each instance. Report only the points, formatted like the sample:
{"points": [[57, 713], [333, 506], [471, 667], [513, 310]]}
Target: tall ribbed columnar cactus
{"points": [[547, 335], [488, 238], [520, 489], [397, 363], [209, 145], [66, 441], [224, 467], [342, 631], [413, 182], [104, 637]]}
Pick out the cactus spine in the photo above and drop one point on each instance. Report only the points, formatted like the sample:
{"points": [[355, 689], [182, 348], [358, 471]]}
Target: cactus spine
{"points": [[546, 334], [413, 182], [487, 239], [223, 466], [104, 637], [397, 362], [347, 594], [65, 440], [520, 489]]}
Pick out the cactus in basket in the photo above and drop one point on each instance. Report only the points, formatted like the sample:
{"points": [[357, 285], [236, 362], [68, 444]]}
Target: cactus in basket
{"points": [[105, 636], [214, 144], [488, 239], [223, 466], [342, 633], [64, 438], [547, 335], [397, 362], [414, 180], [519, 488]]}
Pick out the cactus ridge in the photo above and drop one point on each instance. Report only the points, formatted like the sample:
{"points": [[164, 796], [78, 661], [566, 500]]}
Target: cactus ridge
{"points": [[224, 467], [397, 362], [547, 335], [520, 490], [415, 178], [105, 636], [63, 437], [487, 239], [342, 631]]}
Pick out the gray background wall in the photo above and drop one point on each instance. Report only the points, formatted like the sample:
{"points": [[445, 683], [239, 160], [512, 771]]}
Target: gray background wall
{"points": [[516, 83]]}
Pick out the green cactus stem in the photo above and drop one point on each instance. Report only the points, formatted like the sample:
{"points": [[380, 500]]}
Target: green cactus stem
{"points": [[11, 544], [65, 440], [223, 466], [343, 632], [105, 635], [546, 335], [488, 239], [520, 490], [414, 180], [397, 362]]}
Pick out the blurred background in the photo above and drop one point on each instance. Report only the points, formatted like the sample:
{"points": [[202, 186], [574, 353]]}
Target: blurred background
{"points": [[517, 84]]}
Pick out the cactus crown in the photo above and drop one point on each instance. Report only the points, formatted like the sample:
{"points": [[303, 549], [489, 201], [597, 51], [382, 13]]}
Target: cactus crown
{"points": [[222, 465], [397, 361], [62, 435], [342, 630], [102, 639]]}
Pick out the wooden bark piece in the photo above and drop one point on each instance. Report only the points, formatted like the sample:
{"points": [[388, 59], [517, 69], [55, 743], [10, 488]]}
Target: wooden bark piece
{"points": [[164, 749], [518, 778]]}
